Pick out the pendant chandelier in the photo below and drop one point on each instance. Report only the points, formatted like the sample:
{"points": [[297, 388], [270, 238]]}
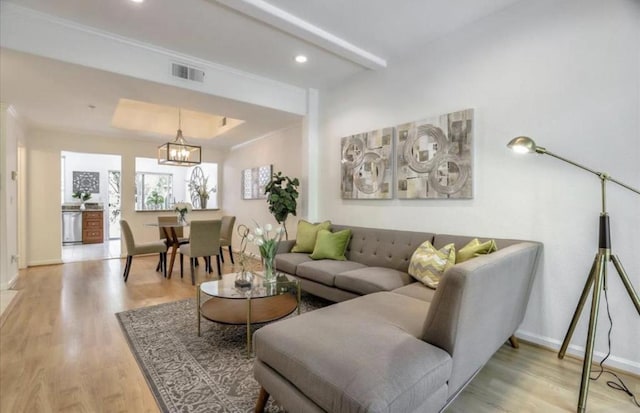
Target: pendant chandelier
{"points": [[179, 152]]}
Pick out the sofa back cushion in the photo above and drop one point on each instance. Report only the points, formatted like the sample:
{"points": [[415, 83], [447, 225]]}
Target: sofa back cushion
{"points": [[383, 247]]}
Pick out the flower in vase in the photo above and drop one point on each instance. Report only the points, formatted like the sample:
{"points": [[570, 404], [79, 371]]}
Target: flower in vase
{"points": [[183, 208], [267, 241]]}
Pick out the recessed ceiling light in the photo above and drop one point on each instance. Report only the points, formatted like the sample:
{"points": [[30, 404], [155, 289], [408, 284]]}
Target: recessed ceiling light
{"points": [[301, 58], [137, 1]]}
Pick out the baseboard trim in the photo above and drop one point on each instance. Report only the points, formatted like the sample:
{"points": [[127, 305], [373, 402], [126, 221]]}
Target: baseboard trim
{"points": [[5, 314], [44, 262], [619, 363], [9, 284]]}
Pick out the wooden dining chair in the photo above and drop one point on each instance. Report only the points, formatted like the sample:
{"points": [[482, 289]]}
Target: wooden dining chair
{"points": [[134, 248], [226, 234], [204, 241], [170, 219]]}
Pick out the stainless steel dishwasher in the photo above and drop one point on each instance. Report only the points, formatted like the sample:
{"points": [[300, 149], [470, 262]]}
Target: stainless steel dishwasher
{"points": [[71, 227]]}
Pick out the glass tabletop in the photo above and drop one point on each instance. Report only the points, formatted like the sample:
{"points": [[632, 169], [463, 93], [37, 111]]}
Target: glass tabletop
{"points": [[167, 224], [226, 288]]}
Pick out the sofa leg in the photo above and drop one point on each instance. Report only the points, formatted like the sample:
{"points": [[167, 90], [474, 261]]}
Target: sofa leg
{"points": [[513, 340], [263, 397]]}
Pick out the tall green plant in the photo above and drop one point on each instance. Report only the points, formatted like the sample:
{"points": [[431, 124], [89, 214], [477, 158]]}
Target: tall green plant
{"points": [[282, 193]]}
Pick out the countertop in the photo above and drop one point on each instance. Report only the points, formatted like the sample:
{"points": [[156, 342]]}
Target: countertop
{"points": [[88, 207]]}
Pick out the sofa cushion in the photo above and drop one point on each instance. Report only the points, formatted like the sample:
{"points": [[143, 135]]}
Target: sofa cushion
{"points": [[288, 262], [331, 245], [475, 248], [324, 271], [416, 290], [371, 279], [306, 235], [369, 361], [383, 247], [428, 264]]}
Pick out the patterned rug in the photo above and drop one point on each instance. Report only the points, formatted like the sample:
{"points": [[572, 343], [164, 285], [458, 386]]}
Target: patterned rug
{"points": [[187, 373]]}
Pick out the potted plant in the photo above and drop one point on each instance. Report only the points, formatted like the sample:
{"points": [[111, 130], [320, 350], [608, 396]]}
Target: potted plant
{"points": [[82, 196], [282, 193], [155, 199]]}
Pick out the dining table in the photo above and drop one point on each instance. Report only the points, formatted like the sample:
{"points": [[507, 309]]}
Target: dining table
{"points": [[169, 229]]}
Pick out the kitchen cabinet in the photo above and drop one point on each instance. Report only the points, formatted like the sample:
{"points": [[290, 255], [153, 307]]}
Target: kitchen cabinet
{"points": [[92, 227]]}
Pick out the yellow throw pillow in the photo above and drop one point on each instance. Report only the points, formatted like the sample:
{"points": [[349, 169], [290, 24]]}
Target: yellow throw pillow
{"points": [[306, 235], [474, 248], [428, 264]]}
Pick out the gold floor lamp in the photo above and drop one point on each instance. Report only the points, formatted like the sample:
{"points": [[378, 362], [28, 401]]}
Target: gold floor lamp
{"points": [[597, 275]]}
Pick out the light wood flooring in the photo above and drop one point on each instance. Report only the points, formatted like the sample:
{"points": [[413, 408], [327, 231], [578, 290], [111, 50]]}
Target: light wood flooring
{"points": [[62, 350]]}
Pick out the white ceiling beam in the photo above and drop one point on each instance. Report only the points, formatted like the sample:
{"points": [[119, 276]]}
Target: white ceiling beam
{"points": [[41, 34], [302, 29]]}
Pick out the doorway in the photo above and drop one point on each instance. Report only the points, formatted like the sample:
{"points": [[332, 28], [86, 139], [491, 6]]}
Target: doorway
{"points": [[90, 195]]}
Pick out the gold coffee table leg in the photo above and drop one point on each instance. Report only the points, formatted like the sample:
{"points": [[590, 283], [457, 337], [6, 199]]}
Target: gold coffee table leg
{"points": [[249, 326], [198, 307]]}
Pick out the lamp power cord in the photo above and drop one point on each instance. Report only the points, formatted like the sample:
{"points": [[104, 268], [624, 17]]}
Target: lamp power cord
{"points": [[619, 384]]}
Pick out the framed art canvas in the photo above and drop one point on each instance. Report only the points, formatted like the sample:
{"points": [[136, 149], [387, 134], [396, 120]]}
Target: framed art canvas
{"points": [[366, 165], [254, 180], [434, 158]]}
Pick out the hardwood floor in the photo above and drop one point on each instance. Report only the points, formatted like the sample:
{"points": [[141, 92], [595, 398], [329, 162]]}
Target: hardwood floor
{"points": [[62, 350]]}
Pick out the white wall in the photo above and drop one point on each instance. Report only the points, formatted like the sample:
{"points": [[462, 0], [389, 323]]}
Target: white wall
{"points": [[566, 73], [89, 162], [282, 149], [43, 188], [11, 137]]}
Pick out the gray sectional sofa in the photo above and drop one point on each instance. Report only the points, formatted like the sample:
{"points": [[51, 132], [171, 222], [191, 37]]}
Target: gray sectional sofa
{"points": [[391, 344]]}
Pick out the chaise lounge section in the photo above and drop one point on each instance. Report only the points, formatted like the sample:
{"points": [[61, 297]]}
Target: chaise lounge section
{"points": [[412, 349]]}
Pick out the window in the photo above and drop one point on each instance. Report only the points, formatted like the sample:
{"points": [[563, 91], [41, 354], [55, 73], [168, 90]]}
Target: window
{"points": [[159, 187], [154, 190]]}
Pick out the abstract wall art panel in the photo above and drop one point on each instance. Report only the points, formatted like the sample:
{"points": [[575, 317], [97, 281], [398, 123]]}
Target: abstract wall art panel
{"points": [[434, 158], [88, 182], [254, 180], [366, 165]]}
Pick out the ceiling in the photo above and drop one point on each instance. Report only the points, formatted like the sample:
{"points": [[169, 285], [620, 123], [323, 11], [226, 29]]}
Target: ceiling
{"points": [[53, 94]]}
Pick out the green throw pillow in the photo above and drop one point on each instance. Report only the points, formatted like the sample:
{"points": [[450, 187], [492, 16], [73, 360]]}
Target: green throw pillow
{"points": [[331, 245], [306, 236], [428, 264], [474, 248]]}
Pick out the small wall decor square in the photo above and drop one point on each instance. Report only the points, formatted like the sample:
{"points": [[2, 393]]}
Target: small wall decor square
{"points": [[86, 182], [366, 165], [435, 157], [254, 180]]}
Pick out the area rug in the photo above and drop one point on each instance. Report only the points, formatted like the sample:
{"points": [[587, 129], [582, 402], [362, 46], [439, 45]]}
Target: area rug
{"points": [[187, 373]]}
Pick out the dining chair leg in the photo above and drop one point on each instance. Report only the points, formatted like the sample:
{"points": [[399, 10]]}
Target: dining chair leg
{"points": [[127, 267], [218, 262], [193, 275], [210, 268], [181, 265], [164, 264], [207, 264], [159, 266], [230, 255], [221, 256]]}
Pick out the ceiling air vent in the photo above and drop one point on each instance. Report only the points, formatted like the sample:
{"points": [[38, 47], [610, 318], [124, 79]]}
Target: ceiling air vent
{"points": [[186, 72]]}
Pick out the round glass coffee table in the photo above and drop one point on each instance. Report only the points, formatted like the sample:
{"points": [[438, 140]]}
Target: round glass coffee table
{"points": [[221, 301]]}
